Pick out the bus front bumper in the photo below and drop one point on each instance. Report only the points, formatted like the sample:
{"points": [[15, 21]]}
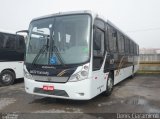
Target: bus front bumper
{"points": [[79, 90]]}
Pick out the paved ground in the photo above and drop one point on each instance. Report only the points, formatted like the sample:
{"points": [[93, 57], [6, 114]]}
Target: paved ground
{"points": [[140, 94]]}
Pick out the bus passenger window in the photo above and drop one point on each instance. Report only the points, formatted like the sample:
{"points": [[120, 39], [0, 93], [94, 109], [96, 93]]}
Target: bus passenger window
{"points": [[2, 41], [21, 45], [112, 39], [10, 43], [98, 42], [121, 43], [98, 49]]}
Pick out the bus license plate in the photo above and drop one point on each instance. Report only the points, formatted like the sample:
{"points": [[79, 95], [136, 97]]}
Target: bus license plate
{"points": [[49, 88]]}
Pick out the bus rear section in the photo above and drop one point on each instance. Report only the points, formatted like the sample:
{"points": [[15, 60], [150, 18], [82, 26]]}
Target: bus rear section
{"points": [[76, 56], [12, 50]]}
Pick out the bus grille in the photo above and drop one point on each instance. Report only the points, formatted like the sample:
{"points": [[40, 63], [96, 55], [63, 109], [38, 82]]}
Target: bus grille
{"points": [[51, 79], [54, 92]]}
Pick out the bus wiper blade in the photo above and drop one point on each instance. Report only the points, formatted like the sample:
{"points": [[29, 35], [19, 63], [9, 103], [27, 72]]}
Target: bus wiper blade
{"points": [[42, 50], [55, 49]]}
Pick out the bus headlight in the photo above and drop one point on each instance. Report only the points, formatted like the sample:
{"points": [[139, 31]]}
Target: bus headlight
{"points": [[79, 76], [27, 74], [75, 77], [83, 74]]}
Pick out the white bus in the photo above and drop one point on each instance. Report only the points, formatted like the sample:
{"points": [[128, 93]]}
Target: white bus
{"points": [[77, 55], [12, 48]]}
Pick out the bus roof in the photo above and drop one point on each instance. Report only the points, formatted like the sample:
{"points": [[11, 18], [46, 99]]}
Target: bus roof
{"points": [[7, 31], [10, 32], [65, 13]]}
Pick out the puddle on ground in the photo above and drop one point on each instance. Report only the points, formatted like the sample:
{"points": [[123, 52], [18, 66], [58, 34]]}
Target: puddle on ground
{"points": [[154, 110], [67, 110], [136, 101], [108, 103], [5, 102]]}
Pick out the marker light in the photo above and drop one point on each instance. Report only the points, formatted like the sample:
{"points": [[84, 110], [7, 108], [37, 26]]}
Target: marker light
{"points": [[26, 73]]}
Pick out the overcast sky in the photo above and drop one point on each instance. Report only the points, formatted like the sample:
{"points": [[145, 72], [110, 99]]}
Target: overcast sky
{"points": [[140, 19]]}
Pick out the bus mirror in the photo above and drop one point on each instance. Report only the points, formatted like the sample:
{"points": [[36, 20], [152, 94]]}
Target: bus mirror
{"points": [[22, 31]]}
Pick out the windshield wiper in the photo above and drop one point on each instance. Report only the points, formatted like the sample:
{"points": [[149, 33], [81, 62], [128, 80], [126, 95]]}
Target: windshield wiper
{"points": [[41, 51], [56, 51]]}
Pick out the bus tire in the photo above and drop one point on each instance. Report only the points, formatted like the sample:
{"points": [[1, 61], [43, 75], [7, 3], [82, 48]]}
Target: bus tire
{"points": [[7, 78], [109, 85]]}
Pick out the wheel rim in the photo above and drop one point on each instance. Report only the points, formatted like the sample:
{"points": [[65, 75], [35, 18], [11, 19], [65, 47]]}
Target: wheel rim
{"points": [[110, 84], [6, 78]]}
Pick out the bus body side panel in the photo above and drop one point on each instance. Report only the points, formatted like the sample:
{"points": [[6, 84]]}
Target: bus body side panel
{"points": [[16, 66], [99, 81], [122, 74], [136, 63], [136, 67], [126, 67]]}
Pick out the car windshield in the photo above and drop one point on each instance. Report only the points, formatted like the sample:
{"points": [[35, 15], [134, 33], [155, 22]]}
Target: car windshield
{"points": [[59, 40]]}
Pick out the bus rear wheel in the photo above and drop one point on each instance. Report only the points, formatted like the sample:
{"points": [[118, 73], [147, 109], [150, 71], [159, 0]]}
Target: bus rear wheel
{"points": [[109, 85], [7, 78]]}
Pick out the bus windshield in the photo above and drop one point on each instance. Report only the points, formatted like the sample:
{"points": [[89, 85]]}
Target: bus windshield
{"points": [[59, 40]]}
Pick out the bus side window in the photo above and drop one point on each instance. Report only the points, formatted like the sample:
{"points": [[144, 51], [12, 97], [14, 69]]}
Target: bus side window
{"points": [[98, 42], [112, 39], [21, 44], [120, 43], [127, 45], [10, 42], [98, 48], [1, 41], [137, 50], [131, 48]]}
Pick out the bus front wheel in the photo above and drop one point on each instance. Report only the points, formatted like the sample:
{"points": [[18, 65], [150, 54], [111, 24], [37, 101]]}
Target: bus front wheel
{"points": [[7, 78], [109, 85]]}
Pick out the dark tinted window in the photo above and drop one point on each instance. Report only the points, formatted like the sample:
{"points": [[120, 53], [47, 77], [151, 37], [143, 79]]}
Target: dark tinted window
{"points": [[7, 41], [135, 49], [11, 42], [120, 43], [99, 23], [112, 39], [126, 45], [21, 42], [98, 41], [98, 48], [131, 47], [1, 40]]}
